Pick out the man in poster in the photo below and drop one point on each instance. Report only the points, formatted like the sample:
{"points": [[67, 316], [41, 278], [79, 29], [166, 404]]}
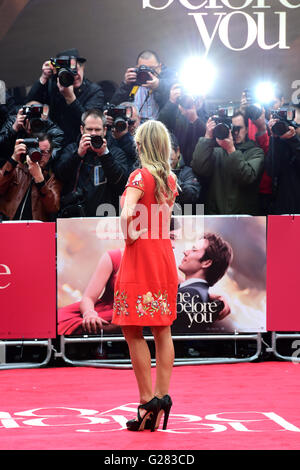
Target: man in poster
{"points": [[203, 266]]}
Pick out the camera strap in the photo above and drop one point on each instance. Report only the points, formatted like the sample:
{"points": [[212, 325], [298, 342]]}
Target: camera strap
{"points": [[133, 92]]}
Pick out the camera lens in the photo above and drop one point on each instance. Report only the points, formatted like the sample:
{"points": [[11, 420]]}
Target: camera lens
{"points": [[35, 154], [66, 78], [96, 141], [120, 124], [37, 125], [221, 131]]}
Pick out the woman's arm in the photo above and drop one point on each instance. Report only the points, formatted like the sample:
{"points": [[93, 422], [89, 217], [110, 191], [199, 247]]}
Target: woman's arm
{"points": [[96, 285], [133, 195]]}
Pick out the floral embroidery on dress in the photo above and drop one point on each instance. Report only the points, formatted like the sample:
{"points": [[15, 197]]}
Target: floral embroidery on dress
{"points": [[120, 305], [137, 181], [150, 303]]}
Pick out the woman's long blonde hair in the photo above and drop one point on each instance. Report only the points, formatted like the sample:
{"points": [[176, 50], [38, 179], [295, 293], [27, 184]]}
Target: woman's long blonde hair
{"points": [[154, 145]]}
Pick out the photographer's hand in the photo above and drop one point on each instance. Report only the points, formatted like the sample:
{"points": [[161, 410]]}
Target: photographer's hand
{"points": [[130, 76], [35, 170], [260, 123], [67, 92], [210, 125], [153, 84], [47, 72], [175, 93], [84, 144], [289, 134], [19, 150], [227, 144], [19, 122]]}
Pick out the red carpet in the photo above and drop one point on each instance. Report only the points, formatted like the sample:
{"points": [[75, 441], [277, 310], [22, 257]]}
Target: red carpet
{"points": [[234, 406]]}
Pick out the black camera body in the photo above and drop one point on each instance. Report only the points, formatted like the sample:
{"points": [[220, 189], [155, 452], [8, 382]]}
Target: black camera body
{"points": [[285, 118], [223, 123], [143, 74], [253, 111], [119, 115], [33, 150], [96, 141], [66, 68], [33, 114], [72, 204]]}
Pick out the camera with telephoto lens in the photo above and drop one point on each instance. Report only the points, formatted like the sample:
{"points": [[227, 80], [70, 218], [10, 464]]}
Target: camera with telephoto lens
{"points": [[120, 116], [285, 118], [33, 114], [185, 100], [33, 150], [66, 68], [143, 74], [223, 123]]}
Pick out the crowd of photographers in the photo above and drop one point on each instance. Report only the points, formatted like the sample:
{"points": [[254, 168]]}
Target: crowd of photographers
{"points": [[68, 150]]}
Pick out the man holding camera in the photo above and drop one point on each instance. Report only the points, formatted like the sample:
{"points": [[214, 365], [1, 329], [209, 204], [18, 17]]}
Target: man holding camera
{"points": [[181, 116], [92, 173], [64, 88], [232, 167], [283, 166], [147, 85], [30, 121], [28, 188]]}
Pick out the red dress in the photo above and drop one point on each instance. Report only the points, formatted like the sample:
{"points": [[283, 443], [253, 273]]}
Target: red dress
{"points": [[70, 316], [147, 281]]}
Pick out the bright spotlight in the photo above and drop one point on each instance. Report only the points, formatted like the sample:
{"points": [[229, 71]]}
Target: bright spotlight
{"points": [[197, 76], [265, 92]]}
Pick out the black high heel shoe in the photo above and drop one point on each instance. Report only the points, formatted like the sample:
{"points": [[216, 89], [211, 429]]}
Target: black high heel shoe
{"points": [[165, 407], [150, 417]]}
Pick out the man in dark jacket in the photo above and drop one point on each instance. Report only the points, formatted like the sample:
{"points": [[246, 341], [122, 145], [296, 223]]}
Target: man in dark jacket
{"points": [[151, 95], [92, 173], [190, 188], [183, 121], [67, 103], [19, 127], [233, 168], [283, 166]]}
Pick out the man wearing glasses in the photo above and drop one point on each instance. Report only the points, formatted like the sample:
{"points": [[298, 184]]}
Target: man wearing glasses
{"points": [[232, 167]]}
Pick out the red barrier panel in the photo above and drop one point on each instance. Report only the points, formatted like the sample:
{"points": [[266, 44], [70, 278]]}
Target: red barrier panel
{"points": [[27, 281], [283, 261]]}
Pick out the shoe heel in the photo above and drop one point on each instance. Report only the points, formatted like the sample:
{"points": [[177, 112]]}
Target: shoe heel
{"points": [[166, 418]]}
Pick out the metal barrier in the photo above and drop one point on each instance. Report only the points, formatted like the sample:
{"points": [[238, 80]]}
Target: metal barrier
{"points": [[47, 343], [126, 363], [277, 336]]}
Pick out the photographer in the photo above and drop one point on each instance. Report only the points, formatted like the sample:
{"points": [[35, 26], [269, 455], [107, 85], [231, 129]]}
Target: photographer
{"points": [[121, 131], [232, 167], [92, 172], [149, 88], [181, 116], [283, 166], [190, 188], [31, 120], [28, 188], [67, 103]]}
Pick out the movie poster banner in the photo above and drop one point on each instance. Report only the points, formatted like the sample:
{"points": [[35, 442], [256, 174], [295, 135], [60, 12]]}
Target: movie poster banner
{"points": [[231, 300], [283, 273], [27, 280]]}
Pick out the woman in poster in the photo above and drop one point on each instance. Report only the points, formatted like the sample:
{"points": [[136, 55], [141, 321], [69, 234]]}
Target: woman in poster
{"points": [[146, 284]]}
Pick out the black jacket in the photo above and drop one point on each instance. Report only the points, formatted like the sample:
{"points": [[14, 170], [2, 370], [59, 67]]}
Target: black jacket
{"points": [[283, 166], [8, 138], [190, 187], [186, 133], [79, 173], [68, 117]]}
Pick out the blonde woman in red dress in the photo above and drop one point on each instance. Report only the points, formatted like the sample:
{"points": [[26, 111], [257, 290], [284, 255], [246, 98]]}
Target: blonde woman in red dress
{"points": [[147, 281]]}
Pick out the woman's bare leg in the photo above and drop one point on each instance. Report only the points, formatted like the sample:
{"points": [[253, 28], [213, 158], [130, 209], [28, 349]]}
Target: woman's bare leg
{"points": [[141, 360], [164, 348]]}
